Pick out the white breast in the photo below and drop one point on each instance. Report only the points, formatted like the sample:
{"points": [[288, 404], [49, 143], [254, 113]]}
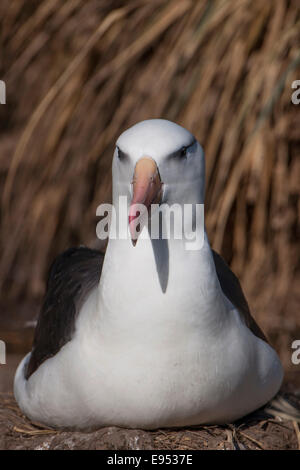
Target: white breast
{"points": [[144, 358]]}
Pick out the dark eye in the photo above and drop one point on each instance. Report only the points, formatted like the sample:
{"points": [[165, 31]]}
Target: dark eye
{"points": [[183, 152], [121, 155]]}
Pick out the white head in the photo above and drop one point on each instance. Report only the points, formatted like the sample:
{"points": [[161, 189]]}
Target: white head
{"points": [[158, 161]]}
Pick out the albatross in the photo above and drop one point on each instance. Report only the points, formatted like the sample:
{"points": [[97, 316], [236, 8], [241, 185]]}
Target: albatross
{"points": [[150, 334]]}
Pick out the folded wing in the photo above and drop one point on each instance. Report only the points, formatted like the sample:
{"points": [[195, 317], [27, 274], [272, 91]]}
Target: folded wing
{"points": [[72, 276], [232, 289]]}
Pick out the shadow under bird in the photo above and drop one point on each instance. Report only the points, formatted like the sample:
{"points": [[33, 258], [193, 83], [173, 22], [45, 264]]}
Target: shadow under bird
{"points": [[151, 334]]}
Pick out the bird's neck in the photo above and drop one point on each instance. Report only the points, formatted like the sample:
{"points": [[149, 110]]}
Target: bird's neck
{"points": [[157, 281]]}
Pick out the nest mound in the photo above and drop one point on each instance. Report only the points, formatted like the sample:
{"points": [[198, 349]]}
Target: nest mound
{"points": [[258, 431]]}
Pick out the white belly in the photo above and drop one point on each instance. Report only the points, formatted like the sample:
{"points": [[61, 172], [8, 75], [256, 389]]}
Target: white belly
{"points": [[152, 381]]}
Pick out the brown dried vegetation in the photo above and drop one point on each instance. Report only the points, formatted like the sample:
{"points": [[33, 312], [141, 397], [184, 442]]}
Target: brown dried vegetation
{"points": [[79, 72]]}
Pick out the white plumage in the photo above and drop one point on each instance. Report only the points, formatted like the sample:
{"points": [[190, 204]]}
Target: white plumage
{"points": [[157, 343]]}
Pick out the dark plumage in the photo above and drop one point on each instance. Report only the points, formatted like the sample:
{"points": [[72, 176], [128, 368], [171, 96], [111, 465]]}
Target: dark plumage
{"points": [[71, 277]]}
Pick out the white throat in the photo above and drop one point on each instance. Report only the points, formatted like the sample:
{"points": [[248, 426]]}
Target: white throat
{"points": [[158, 287]]}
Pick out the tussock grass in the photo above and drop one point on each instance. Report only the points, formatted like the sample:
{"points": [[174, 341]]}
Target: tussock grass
{"points": [[79, 72]]}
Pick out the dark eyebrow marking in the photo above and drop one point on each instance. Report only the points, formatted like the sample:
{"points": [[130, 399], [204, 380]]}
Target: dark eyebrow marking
{"points": [[121, 155], [178, 152]]}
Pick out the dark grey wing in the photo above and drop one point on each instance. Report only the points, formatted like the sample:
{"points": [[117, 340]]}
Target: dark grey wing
{"points": [[232, 289], [72, 276]]}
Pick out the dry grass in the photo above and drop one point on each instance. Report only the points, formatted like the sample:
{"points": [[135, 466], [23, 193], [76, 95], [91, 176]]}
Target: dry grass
{"points": [[80, 72]]}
